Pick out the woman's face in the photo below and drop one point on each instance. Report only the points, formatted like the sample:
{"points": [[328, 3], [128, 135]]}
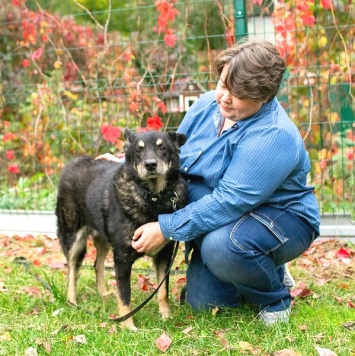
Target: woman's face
{"points": [[230, 106]]}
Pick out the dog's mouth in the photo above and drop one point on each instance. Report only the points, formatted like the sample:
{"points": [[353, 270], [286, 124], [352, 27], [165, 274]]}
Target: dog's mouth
{"points": [[151, 169]]}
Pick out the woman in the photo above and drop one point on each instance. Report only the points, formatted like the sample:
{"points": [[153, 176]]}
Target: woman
{"points": [[250, 210]]}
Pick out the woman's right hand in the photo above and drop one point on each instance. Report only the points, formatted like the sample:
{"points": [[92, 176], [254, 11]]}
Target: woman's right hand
{"points": [[109, 157]]}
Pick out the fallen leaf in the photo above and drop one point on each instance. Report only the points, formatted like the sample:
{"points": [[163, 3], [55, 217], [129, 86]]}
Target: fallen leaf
{"points": [[163, 342], [214, 311], [187, 330], [221, 334], [5, 336], [32, 291], [302, 327], [318, 337], [342, 253], [285, 352], [31, 351], [57, 312], [81, 339], [245, 346], [350, 325], [325, 352], [145, 283], [56, 265], [322, 282], [46, 345]]}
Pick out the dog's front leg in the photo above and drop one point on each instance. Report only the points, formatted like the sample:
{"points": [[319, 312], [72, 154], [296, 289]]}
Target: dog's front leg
{"points": [[161, 264], [123, 269]]}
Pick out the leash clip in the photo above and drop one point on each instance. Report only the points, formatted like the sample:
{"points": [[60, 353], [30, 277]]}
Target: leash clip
{"points": [[174, 200]]}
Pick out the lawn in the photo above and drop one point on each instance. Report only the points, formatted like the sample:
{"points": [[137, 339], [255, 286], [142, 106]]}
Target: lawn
{"points": [[37, 321]]}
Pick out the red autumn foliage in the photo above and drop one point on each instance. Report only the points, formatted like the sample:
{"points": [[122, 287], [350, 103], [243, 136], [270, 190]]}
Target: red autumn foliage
{"points": [[154, 123], [110, 133]]}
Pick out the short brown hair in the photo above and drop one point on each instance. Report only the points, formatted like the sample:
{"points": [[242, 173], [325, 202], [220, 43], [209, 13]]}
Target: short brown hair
{"points": [[255, 70]]}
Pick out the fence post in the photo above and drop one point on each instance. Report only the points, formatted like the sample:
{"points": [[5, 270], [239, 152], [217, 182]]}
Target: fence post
{"points": [[240, 15]]}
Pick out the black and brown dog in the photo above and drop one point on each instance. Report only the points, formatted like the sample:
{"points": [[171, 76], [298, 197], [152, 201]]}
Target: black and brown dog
{"points": [[110, 200]]}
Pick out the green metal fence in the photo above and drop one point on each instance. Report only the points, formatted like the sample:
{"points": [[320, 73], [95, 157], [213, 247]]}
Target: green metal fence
{"points": [[75, 73]]}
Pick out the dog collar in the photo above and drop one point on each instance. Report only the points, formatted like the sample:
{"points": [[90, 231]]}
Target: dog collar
{"points": [[149, 197]]}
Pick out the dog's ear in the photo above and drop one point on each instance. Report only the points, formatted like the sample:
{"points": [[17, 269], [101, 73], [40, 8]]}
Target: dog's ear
{"points": [[128, 135], [179, 138]]}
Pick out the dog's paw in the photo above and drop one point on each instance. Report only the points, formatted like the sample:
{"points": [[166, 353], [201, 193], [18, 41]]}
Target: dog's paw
{"points": [[129, 325], [165, 313], [106, 294]]}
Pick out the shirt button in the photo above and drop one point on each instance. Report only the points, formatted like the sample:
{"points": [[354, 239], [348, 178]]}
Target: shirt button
{"points": [[170, 238], [185, 169], [200, 152]]}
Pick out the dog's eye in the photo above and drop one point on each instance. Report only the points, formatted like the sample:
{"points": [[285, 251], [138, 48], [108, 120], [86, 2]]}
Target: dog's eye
{"points": [[161, 148], [139, 149]]}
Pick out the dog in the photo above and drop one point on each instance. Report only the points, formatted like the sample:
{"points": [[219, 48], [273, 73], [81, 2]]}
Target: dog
{"points": [[109, 201]]}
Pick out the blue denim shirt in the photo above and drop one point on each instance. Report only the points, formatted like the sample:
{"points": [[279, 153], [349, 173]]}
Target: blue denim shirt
{"points": [[260, 160]]}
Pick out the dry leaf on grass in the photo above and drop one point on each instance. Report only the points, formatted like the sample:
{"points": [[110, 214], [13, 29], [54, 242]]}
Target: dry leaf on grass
{"points": [[80, 339], [31, 351], [163, 342], [285, 352], [325, 352]]}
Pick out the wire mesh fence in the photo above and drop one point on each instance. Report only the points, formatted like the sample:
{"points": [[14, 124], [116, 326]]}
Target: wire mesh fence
{"points": [[75, 73]]}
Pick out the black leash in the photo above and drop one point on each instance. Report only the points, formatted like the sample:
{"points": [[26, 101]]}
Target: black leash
{"points": [[140, 306], [23, 261]]}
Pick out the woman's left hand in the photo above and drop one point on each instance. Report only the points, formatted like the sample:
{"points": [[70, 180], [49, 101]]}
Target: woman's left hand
{"points": [[148, 238]]}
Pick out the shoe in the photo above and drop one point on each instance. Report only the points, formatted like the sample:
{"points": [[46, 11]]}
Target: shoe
{"points": [[270, 318], [288, 281]]}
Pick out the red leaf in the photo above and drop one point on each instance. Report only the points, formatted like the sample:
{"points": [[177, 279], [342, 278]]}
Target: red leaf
{"points": [[10, 154], [170, 38], [56, 265], [163, 342], [110, 133], [25, 63], [145, 283], [16, 2], [154, 123], [32, 290], [162, 107], [327, 4], [13, 168], [37, 54], [351, 304], [342, 253], [8, 136]]}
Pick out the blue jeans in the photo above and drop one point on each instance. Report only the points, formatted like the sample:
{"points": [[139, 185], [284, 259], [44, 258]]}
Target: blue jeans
{"points": [[245, 260]]}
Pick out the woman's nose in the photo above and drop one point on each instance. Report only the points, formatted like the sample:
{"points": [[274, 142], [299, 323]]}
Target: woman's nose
{"points": [[226, 97]]}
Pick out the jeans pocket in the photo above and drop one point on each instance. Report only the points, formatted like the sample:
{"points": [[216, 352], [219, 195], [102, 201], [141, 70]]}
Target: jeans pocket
{"points": [[273, 227]]}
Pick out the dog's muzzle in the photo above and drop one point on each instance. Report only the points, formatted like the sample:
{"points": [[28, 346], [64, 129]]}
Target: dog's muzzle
{"points": [[150, 165]]}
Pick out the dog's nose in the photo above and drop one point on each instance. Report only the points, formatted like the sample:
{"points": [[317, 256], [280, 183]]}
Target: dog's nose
{"points": [[150, 164]]}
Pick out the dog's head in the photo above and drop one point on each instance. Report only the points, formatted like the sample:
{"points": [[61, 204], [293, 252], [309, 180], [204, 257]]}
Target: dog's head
{"points": [[153, 154]]}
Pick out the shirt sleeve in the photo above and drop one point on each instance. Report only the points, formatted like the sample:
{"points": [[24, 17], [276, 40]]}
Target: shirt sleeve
{"points": [[262, 160]]}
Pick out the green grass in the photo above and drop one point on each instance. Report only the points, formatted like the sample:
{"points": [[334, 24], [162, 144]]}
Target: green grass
{"points": [[27, 319]]}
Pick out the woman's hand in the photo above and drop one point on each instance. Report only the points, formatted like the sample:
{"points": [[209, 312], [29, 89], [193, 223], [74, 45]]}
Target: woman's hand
{"points": [[108, 157], [148, 238]]}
